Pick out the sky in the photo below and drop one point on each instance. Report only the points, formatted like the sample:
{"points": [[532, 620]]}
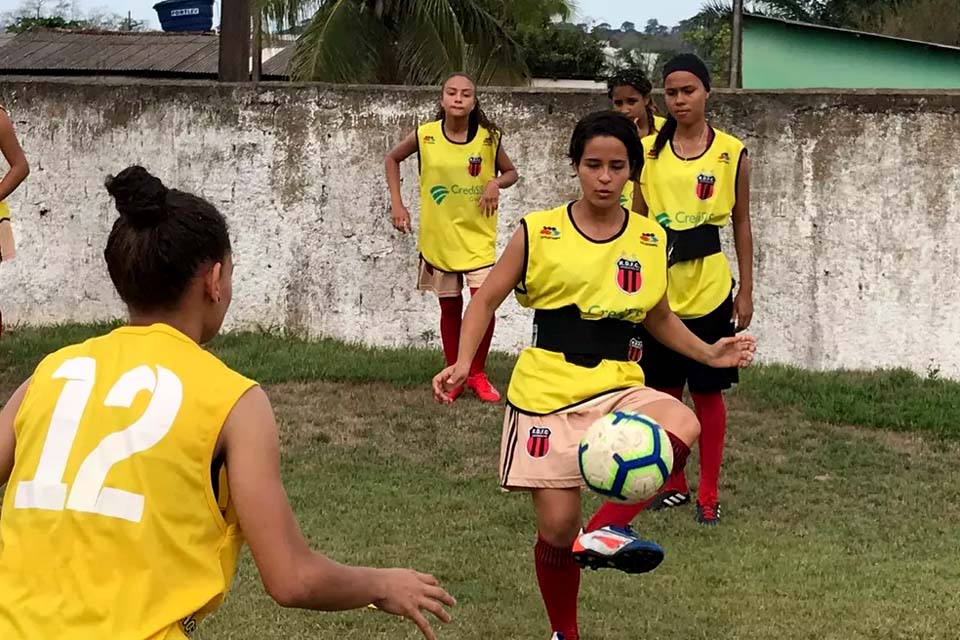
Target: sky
{"points": [[616, 12]]}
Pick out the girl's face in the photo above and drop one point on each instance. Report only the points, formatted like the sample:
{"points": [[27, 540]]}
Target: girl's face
{"points": [[630, 102], [603, 170], [686, 97], [459, 97]]}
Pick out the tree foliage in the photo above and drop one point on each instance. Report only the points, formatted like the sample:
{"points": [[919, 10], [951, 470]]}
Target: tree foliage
{"points": [[413, 41]]}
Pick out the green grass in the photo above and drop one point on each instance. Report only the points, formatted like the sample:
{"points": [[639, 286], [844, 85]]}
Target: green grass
{"points": [[896, 400], [832, 531]]}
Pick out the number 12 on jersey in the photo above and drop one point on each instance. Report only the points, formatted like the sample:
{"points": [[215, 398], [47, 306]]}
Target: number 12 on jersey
{"points": [[48, 490]]}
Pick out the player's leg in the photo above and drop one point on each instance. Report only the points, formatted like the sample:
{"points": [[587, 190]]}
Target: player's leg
{"points": [[558, 575], [706, 388], [478, 381], [682, 428], [665, 371], [447, 287]]}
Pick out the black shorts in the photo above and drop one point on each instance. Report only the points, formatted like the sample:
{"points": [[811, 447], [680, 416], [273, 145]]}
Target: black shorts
{"points": [[667, 369]]}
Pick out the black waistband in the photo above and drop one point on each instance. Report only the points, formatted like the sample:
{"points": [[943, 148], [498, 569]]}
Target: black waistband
{"points": [[582, 342], [691, 244]]}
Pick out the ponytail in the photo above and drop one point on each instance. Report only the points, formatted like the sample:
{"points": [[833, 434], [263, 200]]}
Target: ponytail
{"points": [[664, 136]]}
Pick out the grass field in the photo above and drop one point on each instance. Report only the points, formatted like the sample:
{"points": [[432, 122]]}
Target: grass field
{"points": [[840, 494]]}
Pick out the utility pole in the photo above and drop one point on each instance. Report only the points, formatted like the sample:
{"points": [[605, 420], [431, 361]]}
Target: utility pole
{"points": [[257, 44], [736, 46], [234, 41]]}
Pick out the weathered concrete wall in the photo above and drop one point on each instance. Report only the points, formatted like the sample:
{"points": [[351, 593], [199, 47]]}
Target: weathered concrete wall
{"points": [[856, 200]]}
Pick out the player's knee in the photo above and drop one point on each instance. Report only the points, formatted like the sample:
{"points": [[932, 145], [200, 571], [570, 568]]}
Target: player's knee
{"points": [[684, 424], [560, 530]]}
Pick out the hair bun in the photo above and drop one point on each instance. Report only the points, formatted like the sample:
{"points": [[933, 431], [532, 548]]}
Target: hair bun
{"points": [[140, 196]]}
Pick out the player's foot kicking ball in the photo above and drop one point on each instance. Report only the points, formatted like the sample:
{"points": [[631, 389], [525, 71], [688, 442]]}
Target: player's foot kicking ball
{"points": [[616, 548]]}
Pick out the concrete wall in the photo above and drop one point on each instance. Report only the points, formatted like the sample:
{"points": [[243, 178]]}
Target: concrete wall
{"points": [[856, 205]]}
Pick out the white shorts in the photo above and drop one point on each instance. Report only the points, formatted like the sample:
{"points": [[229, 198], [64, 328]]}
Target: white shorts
{"points": [[449, 285]]}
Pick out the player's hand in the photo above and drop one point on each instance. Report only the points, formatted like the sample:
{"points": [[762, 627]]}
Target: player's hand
{"points": [[742, 310], [490, 200], [409, 594], [447, 380], [400, 217], [733, 352]]}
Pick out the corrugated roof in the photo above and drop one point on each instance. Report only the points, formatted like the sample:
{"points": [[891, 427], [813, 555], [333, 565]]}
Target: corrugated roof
{"points": [[278, 65], [180, 54]]}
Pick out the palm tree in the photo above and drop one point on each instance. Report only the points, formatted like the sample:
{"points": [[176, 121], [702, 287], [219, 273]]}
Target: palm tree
{"points": [[410, 41]]}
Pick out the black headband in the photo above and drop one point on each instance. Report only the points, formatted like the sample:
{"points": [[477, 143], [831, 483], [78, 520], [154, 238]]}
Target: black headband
{"points": [[691, 63]]}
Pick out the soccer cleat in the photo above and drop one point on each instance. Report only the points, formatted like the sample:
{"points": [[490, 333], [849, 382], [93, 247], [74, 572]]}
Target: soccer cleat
{"points": [[482, 387], [668, 499], [708, 514], [616, 548], [556, 636]]}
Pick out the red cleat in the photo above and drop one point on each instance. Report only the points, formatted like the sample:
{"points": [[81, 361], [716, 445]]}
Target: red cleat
{"points": [[481, 386]]}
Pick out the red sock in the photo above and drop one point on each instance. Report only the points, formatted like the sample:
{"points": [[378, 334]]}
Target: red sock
{"points": [[479, 363], [451, 314], [559, 579], [712, 413], [620, 515], [678, 479]]}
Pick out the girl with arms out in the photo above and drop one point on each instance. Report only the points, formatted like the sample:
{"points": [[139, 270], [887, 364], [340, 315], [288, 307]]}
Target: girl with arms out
{"points": [[591, 271], [463, 167], [136, 463]]}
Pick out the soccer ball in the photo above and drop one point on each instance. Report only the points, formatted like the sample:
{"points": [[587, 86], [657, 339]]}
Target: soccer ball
{"points": [[626, 457]]}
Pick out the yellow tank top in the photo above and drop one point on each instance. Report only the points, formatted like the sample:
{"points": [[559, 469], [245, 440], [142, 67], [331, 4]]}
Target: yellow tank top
{"points": [[621, 278], [683, 194], [626, 196], [110, 527], [455, 236]]}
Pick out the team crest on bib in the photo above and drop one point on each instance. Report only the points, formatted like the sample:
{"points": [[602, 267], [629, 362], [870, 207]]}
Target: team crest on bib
{"points": [[705, 186], [476, 162], [635, 350], [629, 275], [538, 444]]}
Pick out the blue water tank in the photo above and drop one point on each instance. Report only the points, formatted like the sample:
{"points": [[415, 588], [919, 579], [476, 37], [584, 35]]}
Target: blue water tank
{"points": [[185, 15]]}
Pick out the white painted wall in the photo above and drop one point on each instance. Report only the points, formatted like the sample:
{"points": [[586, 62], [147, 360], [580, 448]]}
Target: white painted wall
{"points": [[856, 207]]}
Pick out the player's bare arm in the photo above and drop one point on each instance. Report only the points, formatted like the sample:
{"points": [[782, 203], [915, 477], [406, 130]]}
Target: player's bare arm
{"points": [[490, 200], [743, 242], [400, 216], [504, 277], [666, 327], [291, 572], [13, 153], [7, 438]]}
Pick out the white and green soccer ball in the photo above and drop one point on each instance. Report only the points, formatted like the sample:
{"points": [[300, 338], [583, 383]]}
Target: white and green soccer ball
{"points": [[626, 457]]}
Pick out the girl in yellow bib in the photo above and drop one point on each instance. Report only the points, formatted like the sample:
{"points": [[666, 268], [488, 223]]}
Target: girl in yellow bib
{"points": [[463, 167], [136, 463], [592, 271], [630, 91], [16, 174], [696, 180]]}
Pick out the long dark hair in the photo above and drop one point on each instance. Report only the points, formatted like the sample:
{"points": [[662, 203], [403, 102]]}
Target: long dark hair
{"points": [[477, 117], [664, 135], [636, 78], [607, 123]]}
